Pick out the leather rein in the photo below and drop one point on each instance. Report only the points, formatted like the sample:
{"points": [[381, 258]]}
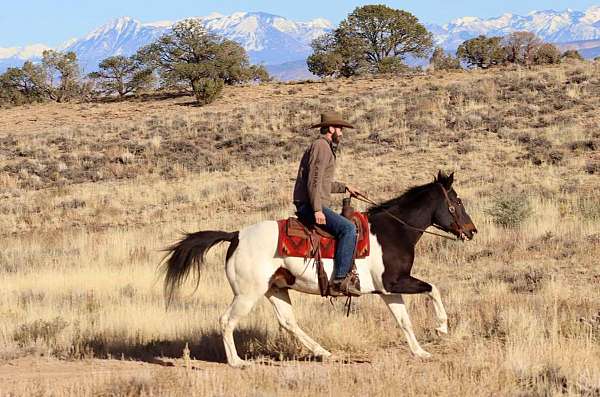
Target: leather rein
{"points": [[451, 209]]}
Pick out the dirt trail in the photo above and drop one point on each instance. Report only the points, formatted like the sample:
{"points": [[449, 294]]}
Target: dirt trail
{"points": [[25, 369]]}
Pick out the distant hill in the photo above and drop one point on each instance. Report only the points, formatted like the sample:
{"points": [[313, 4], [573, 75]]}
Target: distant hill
{"points": [[588, 49], [296, 70]]}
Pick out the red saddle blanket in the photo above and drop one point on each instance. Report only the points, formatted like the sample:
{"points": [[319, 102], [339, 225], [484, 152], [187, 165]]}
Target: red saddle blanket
{"points": [[294, 239]]}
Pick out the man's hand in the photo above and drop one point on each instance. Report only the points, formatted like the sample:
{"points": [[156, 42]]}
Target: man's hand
{"points": [[352, 191], [320, 218]]}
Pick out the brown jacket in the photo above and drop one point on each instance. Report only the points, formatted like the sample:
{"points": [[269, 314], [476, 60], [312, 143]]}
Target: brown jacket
{"points": [[315, 183]]}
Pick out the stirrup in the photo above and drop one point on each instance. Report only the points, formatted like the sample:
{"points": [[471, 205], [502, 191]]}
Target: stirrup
{"points": [[349, 286]]}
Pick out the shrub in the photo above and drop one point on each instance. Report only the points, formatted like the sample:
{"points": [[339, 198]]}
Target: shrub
{"points": [[572, 54], [207, 90], [510, 210], [40, 330], [391, 65], [442, 61], [593, 166], [589, 207], [546, 54]]}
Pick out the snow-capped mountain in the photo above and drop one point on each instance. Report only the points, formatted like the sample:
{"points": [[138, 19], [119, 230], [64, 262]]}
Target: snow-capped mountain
{"points": [[15, 56], [122, 36], [267, 38], [274, 40], [551, 26]]}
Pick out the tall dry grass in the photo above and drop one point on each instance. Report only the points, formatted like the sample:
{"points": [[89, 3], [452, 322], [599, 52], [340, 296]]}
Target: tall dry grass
{"points": [[79, 252]]}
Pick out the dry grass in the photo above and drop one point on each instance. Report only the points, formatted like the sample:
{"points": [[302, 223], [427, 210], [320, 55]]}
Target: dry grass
{"points": [[91, 193]]}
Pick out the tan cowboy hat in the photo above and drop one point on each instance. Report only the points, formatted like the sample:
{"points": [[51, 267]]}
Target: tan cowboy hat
{"points": [[332, 119]]}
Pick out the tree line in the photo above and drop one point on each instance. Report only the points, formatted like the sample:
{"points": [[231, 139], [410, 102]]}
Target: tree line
{"points": [[187, 58], [372, 39], [379, 39]]}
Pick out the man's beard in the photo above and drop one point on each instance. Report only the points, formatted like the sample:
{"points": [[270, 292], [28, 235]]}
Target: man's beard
{"points": [[335, 138], [335, 142]]}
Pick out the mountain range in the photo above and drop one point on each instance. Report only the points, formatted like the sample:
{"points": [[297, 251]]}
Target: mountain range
{"points": [[283, 45], [551, 26]]}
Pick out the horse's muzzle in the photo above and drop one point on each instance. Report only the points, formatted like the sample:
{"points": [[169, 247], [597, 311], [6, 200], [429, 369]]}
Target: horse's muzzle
{"points": [[468, 232]]}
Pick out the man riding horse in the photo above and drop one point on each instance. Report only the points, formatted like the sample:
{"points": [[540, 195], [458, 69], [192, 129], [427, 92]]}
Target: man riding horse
{"points": [[312, 197]]}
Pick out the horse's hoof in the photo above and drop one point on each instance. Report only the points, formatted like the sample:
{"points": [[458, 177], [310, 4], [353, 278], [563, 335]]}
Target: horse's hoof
{"points": [[328, 358], [239, 364], [442, 329], [324, 354], [423, 354]]}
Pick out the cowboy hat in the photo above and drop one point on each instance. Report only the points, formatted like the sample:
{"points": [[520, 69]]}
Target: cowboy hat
{"points": [[332, 119]]}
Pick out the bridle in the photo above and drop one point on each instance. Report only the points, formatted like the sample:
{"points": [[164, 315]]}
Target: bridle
{"points": [[451, 209]]}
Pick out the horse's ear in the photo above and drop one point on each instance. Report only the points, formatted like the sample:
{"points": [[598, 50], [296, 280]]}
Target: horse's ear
{"points": [[445, 180], [440, 177], [450, 181]]}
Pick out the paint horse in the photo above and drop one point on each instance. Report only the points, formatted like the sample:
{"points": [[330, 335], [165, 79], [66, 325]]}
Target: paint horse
{"points": [[254, 269]]}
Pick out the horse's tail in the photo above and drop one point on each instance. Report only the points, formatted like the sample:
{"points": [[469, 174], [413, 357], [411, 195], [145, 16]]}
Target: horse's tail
{"points": [[189, 254]]}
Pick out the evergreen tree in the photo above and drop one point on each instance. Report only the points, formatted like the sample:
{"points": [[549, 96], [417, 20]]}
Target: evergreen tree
{"points": [[546, 54], [572, 54], [122, 75], [373, 38], [481, 52], [62, 72], [23, 85], [521, 47], [203, 61], [442, 61]]}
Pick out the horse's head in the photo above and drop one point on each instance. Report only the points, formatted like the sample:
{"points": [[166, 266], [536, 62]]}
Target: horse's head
{"points": [[451, 215]]}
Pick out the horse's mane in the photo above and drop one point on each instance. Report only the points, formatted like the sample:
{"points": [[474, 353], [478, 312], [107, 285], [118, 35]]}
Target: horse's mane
{"points": [[404, 200]]}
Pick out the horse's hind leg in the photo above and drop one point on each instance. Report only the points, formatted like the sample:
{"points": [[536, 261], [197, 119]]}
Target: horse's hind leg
{"points": [[280, 298], [240, 307], [440, 312], [396, 305]]}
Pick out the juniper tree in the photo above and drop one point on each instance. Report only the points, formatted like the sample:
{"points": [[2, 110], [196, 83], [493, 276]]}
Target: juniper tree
{"points": [[201, 60], [122, 75], [442, 61], [572, 54], [546, 54], [372, 38], [481, 51], [520, 47], [62, 71], [23, 85]]}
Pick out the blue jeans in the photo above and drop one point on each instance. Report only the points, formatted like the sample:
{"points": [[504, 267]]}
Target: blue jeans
{"points": [[343, 230]]}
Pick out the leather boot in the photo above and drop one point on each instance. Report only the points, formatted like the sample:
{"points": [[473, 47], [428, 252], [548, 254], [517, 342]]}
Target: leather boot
{"points": [[349, 286]]}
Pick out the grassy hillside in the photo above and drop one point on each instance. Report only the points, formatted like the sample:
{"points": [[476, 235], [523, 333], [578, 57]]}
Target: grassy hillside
{"points": [[92, 192]]}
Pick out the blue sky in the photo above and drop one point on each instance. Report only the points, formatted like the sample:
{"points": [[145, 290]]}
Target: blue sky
{"points": [[54, 21]]}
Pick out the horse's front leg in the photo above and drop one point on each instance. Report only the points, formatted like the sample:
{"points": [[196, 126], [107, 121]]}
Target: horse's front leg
{"points": [[438, 307], [396, 305], [411, 285]]}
